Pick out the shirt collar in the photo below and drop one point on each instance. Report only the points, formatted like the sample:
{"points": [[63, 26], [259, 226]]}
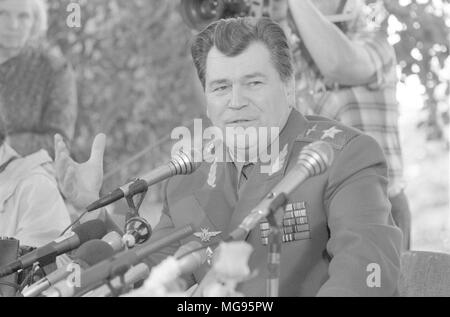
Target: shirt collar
{"points": [[6, 153]]}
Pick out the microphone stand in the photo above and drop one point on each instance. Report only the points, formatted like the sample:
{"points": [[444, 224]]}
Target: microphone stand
{"points": [[135, 225], [274, 248]]}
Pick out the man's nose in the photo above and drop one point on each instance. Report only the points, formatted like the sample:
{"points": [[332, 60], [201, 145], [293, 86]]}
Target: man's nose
{"points": [[13, 23], [238, 100]]}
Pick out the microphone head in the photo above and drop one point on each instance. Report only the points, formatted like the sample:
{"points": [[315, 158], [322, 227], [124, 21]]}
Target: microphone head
{"points": [[94, 251], [186, 163], [316, 157], [114, 239], [137, 273], [93, 229]]}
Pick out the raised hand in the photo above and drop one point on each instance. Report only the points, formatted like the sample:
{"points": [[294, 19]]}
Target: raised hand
{"points": [[80, 183]]}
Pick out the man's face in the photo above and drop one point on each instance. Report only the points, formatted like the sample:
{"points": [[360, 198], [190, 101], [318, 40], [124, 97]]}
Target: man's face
{"points": [[16, 21], [246, 90]]}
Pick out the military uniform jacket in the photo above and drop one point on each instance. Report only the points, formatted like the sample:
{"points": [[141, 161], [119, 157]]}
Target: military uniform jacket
{"points": [[338, 233]]}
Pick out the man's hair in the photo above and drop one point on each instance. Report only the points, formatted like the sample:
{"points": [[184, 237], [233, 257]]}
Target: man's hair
{"points": [[40, 20], [232, 36]]}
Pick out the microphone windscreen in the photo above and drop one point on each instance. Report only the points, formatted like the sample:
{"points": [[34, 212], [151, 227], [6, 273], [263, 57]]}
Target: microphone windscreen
{"points": [[325, 150], [186, 163], [94, 251], [114, 239], [93, 229], [317, 157]]}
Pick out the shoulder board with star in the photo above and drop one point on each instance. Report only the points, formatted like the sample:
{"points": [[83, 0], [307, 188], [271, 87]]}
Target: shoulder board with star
{"points": [[323, 129]]}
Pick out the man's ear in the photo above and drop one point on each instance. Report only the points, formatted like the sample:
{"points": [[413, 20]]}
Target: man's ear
{"points": [[290, 92]]}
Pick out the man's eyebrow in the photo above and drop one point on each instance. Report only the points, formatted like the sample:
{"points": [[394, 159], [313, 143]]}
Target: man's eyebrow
{"points": [[246, 77], [217, 82], [254, 75]]}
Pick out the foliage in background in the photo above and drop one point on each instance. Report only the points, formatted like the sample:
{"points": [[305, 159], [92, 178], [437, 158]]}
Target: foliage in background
{"points": [[421, 32], [135, 78], [136, 81]]}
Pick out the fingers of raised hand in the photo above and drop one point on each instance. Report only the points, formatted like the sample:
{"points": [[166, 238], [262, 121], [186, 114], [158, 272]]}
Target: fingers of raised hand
{"points": [[62, 165], [60, 146], [68, 182], [98, 149]]}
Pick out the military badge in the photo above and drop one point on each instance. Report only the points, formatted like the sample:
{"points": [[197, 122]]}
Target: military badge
{"points": [[212, 175], [313, 129], [205, 235], [295, 224]]}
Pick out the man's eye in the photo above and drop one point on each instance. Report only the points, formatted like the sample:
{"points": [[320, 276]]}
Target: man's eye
{"points": [[255, 83], [220, 88], [24, 16]]}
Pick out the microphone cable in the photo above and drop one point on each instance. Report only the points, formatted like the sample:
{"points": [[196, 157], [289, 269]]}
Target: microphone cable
{"points": [[74, 223]]}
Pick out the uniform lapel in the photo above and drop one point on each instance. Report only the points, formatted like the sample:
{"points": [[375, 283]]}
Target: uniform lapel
{"points": [[218, 202]]}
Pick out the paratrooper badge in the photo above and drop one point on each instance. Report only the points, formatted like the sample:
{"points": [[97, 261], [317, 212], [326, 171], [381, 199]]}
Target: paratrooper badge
{"points": [[205, 235]]}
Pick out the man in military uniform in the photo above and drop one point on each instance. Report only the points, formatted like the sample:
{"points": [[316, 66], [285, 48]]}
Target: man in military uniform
{"points": [[338, 235]]}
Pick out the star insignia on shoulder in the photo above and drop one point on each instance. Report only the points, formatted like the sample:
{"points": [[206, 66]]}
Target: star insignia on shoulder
{"points": [[205, 235], [331, 133]]}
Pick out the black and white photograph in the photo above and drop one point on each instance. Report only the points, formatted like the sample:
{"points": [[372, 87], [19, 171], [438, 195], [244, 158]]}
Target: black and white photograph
{"points": [[224, 153]]}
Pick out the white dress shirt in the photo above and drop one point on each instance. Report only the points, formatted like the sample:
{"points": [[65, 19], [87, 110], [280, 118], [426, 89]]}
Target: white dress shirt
{"points": [[31, 207]]}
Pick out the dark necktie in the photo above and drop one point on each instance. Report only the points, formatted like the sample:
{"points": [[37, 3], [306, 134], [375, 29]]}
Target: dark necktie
{"points": [[245, 174]]}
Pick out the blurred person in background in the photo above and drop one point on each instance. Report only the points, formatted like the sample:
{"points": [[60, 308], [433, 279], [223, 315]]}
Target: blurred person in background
{"points": [[346, 71], [31, 208], [37, 85]]}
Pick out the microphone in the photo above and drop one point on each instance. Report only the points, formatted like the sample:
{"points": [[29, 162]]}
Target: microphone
{"points": [[313, 160], [118, 264], [114, 239], [87, 255], [94, 229], [135, 274], [189, 257], [181, 164]]}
